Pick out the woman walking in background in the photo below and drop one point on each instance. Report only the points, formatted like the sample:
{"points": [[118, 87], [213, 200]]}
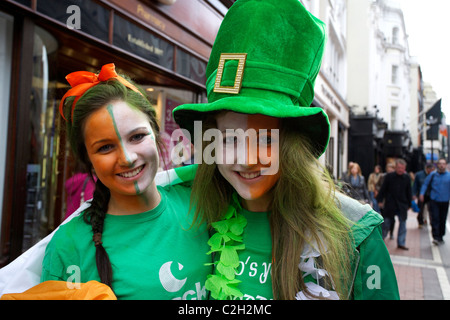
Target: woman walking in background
{"points": [[373, 186], [356, 184]]}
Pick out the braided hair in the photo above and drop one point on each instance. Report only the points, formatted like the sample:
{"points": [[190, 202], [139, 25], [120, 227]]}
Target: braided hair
{"points": [[92, 100]]}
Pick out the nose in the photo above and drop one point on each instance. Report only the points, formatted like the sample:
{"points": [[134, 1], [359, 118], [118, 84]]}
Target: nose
{"points": [[127, 158], [251, 157]]}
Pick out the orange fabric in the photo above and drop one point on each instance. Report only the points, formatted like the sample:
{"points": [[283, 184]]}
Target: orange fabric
{"points": [[59, 290], [81, 81]]}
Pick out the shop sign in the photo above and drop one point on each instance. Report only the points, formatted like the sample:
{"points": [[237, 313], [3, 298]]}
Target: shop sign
{"points": [[141, 42]]}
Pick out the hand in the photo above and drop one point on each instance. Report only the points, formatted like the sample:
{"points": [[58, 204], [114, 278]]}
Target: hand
{"points": [[421, 198]]}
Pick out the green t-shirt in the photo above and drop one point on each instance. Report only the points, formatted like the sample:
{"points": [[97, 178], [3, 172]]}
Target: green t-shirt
{"points": [[154, 254], [256, 259]]}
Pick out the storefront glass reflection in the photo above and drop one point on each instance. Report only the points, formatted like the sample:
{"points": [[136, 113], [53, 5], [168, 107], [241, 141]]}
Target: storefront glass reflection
{"points": [[43, 139]]}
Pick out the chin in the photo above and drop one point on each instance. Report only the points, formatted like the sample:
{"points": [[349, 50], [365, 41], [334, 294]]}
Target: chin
{"points": [[248, 195]]}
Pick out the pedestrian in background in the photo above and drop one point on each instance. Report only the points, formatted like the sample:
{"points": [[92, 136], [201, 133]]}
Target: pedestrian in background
{"points": [[439, 199], [417, 185], [356, 182], [374, 187], [390, 167], [396, 191]]}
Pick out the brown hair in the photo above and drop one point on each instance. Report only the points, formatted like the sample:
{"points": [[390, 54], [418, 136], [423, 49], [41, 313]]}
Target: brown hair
{"points": [[92, 100]]}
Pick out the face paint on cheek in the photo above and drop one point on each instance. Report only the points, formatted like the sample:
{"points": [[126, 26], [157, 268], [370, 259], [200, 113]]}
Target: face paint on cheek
{"points": [[127, 157], [264, 186], [110, 111], [152, 135], [267, 153]]}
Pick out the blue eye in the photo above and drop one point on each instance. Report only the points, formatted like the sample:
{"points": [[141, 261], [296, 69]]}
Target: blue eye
{"points": [[106, 148], [138, 137]]}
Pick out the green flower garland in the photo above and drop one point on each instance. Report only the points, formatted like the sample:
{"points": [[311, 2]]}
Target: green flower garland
{"points": [[225, 242]]}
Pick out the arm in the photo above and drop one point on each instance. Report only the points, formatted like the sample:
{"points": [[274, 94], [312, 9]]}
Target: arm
{"points": [[375, 277], [424, 187], [366, 192], [381, 193], [53, 265], [415, 190], [409, 191]]}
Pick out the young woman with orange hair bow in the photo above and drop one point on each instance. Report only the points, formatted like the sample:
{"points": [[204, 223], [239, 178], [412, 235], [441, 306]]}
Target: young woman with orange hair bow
{"points": [[135, 236]]}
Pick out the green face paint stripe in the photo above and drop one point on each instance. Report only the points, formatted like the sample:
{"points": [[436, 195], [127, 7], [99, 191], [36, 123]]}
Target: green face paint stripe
{"points": [[152, 135], [110, 111], [136, 187]]}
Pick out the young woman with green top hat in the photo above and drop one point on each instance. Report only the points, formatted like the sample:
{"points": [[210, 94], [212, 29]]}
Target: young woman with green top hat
{"points": [[135, 236], [279, 228]]}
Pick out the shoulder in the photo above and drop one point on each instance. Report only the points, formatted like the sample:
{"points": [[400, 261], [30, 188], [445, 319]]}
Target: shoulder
{"points": [[362, 216], [390, 175], [71, 231], [181, 191], [68, 242], [177, 200], [351, 208], [420, 174]]}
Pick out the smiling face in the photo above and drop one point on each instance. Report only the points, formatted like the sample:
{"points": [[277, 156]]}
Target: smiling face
{"points": [[121, 146], [251, 179]]}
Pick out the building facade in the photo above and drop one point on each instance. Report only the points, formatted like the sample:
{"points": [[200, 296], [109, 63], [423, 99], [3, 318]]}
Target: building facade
{"points": [[331, 83], [379, 83]]}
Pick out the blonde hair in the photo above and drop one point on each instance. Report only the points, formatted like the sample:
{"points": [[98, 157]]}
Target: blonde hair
{"points": [[355, 165], [304, 210]]}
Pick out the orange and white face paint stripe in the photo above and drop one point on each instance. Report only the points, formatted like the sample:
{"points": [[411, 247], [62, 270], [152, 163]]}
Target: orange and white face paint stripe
{"points": [[120, 145]]}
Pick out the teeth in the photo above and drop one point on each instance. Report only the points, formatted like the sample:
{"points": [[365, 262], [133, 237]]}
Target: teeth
{"points": [[131, 174], [249, 175]]}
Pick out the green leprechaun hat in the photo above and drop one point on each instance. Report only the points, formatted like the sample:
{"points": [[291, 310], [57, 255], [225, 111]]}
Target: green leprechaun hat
{"points": [[265, 59]]}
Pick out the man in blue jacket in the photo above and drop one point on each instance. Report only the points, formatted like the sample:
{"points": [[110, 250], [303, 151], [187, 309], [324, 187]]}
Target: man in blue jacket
{"points": [[439, 199]]}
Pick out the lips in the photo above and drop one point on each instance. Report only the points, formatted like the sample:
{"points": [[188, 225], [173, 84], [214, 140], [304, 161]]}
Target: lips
{"points": [[132, 173], [249, 175]]}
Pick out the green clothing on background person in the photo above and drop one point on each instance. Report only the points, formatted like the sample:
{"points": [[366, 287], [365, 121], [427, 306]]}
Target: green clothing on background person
{"points": [[156, 256]]}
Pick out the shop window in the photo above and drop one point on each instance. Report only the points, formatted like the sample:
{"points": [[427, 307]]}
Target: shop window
{"points": [[395, 35], [394, 75], [43, 140], [165, 99], [6, 39], [191, 67]]}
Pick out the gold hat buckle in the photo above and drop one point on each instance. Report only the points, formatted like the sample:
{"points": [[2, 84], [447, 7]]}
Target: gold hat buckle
{"points": [[236, 88]]}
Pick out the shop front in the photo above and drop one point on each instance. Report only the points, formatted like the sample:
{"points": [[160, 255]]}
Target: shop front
{"points": [[163, 47]]}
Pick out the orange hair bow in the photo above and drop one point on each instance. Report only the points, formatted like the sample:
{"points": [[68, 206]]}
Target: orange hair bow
{"points": [[81, 81]]}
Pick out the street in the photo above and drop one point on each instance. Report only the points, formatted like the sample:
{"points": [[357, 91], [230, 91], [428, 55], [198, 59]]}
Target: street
{"points": [[423, 272]]}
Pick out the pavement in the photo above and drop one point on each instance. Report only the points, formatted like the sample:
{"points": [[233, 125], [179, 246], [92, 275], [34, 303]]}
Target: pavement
{"points": [[423, 272]]}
